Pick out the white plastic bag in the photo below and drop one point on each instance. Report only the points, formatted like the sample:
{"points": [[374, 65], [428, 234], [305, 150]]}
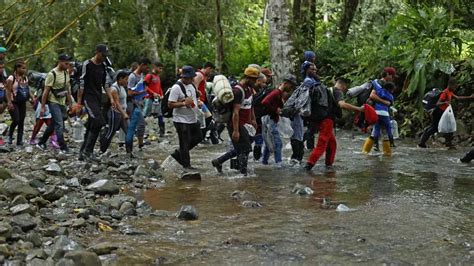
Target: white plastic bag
{"points": [[447, 123], [267, 134], [284, 127]]}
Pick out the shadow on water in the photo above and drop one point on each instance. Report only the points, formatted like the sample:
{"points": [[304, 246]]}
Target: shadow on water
{"points": [[416, 206]]}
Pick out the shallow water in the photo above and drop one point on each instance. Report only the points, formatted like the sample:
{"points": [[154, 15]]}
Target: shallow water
{"points": [[413, 207]]}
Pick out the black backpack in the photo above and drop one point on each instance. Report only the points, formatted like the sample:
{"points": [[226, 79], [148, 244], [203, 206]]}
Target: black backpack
{"points": [[165, 110], [260, 109], [430, 99], [319, 112]]}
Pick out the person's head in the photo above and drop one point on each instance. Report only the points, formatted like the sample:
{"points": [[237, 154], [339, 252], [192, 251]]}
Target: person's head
{"points": [[452, 84], [208, 68], [20, 67], [258, 67], [3, 53], [101, 52], [64, 62], [310, 56], [288, 85], [261, 82], [310, 70], [122, 77], [157, 67], [133, 66], [342, 84], [2, 67], [187, 74], [389, 74], [251, 75], [143, 66]]}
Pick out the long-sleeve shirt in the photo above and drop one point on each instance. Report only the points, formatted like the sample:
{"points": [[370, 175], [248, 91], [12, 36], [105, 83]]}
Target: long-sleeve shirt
{"points": [[273, 101], [380, 108]]}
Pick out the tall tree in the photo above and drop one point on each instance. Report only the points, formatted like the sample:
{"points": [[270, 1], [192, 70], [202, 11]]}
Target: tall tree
{"points": [[219, 38], [150, 32], [350, 9], [280, 38]]}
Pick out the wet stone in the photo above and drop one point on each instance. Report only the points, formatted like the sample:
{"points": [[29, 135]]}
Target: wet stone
{"points": [[104, 248], [36, 183], [141, 171], [65, 262], [25, 221], [117, 200], [52, 193], [187, 212], [243, 195], [36, 253], [129, 230], [126, 206], [85, 258], [53, 168], [62, 245], [153, 164], [116, 214], [22, 208], [40, 262], [34, 238], [78, 223], [191, 176], [302, 190], [104, 186], [73, 182], [251, 204], [14, 187]]}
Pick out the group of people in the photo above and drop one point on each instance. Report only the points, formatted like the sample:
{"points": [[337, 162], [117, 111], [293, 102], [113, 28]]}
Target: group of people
{"points": [[256, 112]]}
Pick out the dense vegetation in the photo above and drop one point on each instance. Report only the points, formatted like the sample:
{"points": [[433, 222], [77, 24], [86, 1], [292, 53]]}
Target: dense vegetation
{"points": [[427, 41]]}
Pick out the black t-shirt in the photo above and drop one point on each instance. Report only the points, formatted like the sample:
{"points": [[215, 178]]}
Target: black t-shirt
{"points": [[335, 110], [94, 79]]}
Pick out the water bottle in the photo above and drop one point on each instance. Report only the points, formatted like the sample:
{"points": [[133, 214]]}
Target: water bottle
{"points": [[394, 126], [77, 130]]}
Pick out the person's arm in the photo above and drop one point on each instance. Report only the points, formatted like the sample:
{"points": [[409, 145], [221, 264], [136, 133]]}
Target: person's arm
{"points": [[9, 90], [44, 99], [108, 91], [463, 97], [69, 99], [116, 100], [235, 122], [350, 107], [375, 97], [80, 92], [197, 79]]}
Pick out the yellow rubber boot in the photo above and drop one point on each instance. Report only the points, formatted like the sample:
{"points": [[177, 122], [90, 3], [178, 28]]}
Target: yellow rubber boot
{"points": [[387, 150], [369, 142]]}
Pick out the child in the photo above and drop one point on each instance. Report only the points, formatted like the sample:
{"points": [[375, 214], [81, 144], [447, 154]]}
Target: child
{"points": [[382, 110]]}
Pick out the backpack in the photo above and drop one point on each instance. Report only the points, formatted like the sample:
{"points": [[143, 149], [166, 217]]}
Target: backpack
{"points": [[222, 112], [22, 93], [323, 104], [430, 99], [260, 109], [165, 110]]}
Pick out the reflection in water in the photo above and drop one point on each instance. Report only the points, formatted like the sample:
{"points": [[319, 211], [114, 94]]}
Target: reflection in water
{"points": [[410, 208]]}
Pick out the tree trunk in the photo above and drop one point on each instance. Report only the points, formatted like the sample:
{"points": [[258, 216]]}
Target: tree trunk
{"points": [[149, 32], [178, 41], [350, 8], [296, 10], [219, 38], [280, 38]]}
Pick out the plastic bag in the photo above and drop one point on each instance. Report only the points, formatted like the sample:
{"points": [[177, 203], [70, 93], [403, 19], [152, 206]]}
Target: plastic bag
{"points": [[267, 134], [284, 127], [447, 123]]}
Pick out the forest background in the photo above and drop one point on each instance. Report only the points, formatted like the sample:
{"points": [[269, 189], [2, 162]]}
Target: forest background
{"points": [[426, 41]]}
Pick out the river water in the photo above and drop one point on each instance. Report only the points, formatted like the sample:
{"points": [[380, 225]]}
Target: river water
{"points": [[413, 207]]}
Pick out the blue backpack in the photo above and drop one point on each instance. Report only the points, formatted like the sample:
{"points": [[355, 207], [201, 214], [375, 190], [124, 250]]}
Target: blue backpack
{"points": [[22, 93]]}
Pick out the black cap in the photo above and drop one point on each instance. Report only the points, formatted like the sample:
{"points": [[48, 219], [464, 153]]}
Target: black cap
{"points": [[291, 79], [188, 72], [64, 57], [102, 48]]}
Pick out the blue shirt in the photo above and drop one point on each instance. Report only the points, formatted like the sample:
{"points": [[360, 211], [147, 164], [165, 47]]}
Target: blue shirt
{"points": [[380, 108]]}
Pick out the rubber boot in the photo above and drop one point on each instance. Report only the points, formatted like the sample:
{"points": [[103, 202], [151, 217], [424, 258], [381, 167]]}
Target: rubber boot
{"points": [[369, 142], [376, 144], [162, 129], [392, 143], [257, 152], [387, 150]]}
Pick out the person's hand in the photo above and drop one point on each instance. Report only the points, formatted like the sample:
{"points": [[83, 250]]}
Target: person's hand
{"points": [[125, 117], [235, 136], [11, 107], [76, 108], [42, 110], [362, 109], [188, 101], [254, 124]]}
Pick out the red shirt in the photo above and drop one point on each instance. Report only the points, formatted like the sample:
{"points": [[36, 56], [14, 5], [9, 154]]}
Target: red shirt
{"points": [[445, 96], [202, 87], [245, 114], [154, 85], [273, 101]]}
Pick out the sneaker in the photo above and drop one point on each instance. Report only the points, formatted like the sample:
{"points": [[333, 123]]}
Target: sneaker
{"points": [[81, 156], [93, 158], [190, 168], [2, 142], [19, 144], [54, 144], [33, 142], [41, 146], [308, 167], [217, 165], [294, 162], [330, 169], [423, 146], [279, 165], [64, 151]]}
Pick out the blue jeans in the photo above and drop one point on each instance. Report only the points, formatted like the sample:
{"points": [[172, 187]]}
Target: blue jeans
{"points": [[136, 117], [383, 121], [270, 127], [298, 128], [57, 115]]}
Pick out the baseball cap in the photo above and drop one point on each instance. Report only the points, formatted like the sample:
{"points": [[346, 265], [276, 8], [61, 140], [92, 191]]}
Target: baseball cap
{"points": [[64, 57], [102, 48], [291, 79], [390, 70], [3, 49], [267, 72], [251, 72]]}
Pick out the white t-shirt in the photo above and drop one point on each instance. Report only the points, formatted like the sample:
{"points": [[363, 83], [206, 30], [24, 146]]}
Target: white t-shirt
{"points": [[186, 115]]}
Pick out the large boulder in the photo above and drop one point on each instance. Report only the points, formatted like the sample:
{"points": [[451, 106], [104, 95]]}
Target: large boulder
{"points": [[83, 258], [62, 245], [187, 212], [25, 221]]}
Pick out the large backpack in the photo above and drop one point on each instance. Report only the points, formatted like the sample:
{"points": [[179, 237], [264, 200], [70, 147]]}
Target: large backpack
{"points": [[165, 110], [430, 99], [222, 112], [260, 109], [22, 93]]}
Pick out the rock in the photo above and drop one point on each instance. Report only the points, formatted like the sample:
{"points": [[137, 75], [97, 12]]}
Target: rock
{"points": [[117, 200], [65, 262], [53, 169], [5, 230], [126, 206], [103, 248], [190, 176], [40, 202], [78, 223], [36, 183], [52, 193], [34, 238], [344, 208], [14, 187], [141, 171], [116, 214], [25, 221], [22, 208], [187, 212], [62, 245], [5, 250], [152, 164], [302, 190], [129, 230], [39, 262], [104, 186], [73, 182], [243, 195], [19, 200], [251, 204], [83, 258], [36, 253], [5, 174]]}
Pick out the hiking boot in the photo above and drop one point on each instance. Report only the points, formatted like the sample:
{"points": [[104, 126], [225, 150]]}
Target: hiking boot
{"points": [[10, 140], [41, 146], [217, 165], [423, 146], [81, 157], [308, 167]]}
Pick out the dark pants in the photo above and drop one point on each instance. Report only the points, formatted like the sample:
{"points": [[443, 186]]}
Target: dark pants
{"points": [[297, 147], [241, 149], [57, 115], [189, 135], [433, 128], [114, 123], [468, 157], [18, 115], [211, 127], [94, 124]]}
